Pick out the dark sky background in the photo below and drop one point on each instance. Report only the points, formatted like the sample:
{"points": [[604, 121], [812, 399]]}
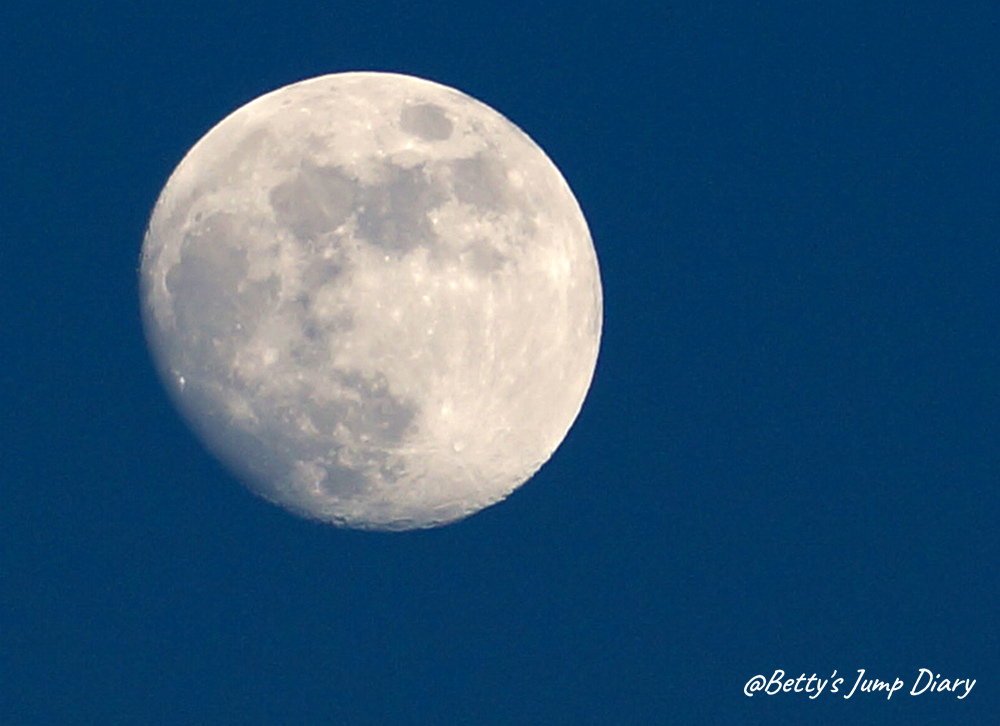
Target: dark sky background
{"points": [[788, 458]]}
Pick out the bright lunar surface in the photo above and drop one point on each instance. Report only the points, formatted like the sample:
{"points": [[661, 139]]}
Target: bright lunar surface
{"points": [[374, 298]]}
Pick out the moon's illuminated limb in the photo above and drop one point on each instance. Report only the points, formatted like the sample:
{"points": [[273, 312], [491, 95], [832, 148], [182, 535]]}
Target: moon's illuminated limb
{"points": [[375, 298]]}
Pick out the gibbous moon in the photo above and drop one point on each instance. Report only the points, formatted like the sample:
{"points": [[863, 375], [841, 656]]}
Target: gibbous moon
{"points": [[374, 298]]}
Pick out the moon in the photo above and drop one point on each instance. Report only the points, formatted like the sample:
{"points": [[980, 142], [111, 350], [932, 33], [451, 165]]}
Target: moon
{"points": [[374, 298]]}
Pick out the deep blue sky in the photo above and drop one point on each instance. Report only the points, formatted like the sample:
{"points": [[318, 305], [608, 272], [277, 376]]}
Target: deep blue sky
{"points": [[789, 457]]}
